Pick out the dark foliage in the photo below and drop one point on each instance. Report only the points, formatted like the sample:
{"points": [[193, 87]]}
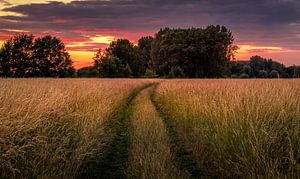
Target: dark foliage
{"points": [[259, 67], [198, 52], [87, 72], [172, 53], [24, 56]]}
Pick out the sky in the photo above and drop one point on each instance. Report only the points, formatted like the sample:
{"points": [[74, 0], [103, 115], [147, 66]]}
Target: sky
{"points": [[269, 28]]}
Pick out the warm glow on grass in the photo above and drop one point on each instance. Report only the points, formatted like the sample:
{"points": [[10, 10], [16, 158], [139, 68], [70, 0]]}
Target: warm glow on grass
{"points": [[50, 127]]}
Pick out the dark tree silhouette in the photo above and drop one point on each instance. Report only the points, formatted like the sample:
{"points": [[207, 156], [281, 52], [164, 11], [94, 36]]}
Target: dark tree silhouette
{"points": [[16, 57], [24, 56], [262, 67], [198, 52], [128, 54], [144, 47], [52, 58]]}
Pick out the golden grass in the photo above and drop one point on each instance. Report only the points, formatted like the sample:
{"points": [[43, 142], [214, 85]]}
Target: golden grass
{"points": [[238, 127], [150, 153], [233, 128], [48, 126]]}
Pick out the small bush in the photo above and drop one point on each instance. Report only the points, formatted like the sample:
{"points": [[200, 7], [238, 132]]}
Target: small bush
{"points": [[234, 76], [244, 75], [150, 74], [176, 72]]}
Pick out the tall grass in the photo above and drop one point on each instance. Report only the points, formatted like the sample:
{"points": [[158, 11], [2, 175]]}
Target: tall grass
{"points": [[150, 153], [49, 126], [237, 127]]}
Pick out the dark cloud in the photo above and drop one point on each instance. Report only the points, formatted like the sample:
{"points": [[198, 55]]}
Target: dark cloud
{"points": [[264, 21]]}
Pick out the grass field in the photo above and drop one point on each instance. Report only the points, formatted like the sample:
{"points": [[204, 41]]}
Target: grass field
{"points": [[122, 128]]}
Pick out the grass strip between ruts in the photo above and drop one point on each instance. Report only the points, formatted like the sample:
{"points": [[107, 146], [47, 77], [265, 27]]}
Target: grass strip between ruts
{"points": [[113, 162], [183, 159]]}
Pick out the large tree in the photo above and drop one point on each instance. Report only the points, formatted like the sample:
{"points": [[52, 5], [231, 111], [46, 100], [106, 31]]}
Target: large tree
{"points": [[261, 65], [16, 57], [198, 52], [144, 47], [124, 50], [24, 56], [51, 57]]}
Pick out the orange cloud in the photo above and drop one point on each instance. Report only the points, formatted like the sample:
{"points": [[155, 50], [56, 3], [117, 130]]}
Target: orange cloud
{"points": [[247, 48], [92, 42], [8, 13], [102, 39], [16, 30], [246, 51]]}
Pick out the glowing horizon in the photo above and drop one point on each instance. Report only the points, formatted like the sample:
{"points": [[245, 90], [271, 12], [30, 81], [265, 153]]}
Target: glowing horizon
{"points": [[83, 58], [87, 25]]}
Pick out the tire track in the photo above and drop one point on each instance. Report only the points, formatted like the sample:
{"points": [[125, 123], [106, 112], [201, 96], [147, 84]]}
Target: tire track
{"points": [[184, 160], [112, 163], [150, 152]]}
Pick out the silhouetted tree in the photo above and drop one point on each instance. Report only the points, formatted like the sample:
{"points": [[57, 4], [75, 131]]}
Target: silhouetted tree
{"points": [[111, 67], [52, 58], [259, 64], [22, 56], [127, 53], [16, 56], [198, 52], [6, 60], [144, 46], [293, 71]]}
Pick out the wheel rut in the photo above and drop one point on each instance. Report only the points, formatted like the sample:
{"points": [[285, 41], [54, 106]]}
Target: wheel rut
{"points": [[118, 159], [112, 163], [183, 158]]}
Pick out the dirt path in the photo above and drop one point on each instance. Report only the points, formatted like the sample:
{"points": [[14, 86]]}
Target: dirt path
{"points": [[145, 144], [183, 158], [150, 152], [112, 163]]}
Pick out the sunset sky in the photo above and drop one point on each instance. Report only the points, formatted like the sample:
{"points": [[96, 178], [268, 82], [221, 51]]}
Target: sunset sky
{"points": [[270, 28]]}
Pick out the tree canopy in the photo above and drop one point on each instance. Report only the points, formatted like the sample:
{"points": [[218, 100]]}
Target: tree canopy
{"points": [[171, 53], [198, 52], [25, 56], [259, 67]]}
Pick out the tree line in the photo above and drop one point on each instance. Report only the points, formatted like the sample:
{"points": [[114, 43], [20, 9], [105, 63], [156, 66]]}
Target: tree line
{"points": [[259, 67], [171, 53]]}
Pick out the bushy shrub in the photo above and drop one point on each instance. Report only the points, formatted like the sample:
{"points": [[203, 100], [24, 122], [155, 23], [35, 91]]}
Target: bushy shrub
{"points": [[150, 74], [176, 72], [244, 75], [234, 76]]}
